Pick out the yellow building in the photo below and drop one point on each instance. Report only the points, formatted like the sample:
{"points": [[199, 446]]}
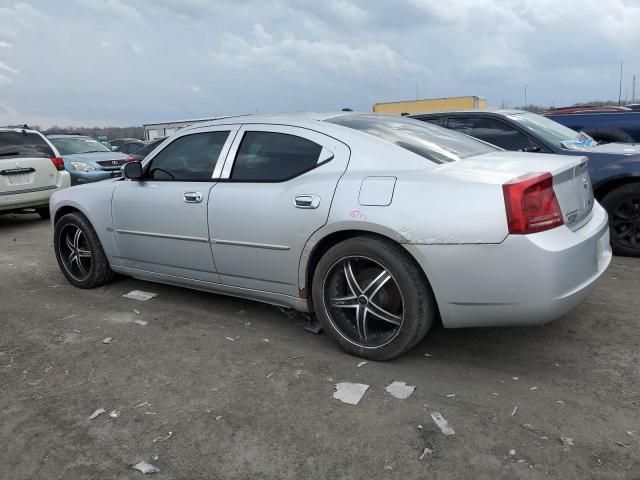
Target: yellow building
{"points": [[431, 105]]}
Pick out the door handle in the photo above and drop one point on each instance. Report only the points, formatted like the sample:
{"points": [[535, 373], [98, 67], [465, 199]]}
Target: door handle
{"points": [[307, 201], [193, 197]]}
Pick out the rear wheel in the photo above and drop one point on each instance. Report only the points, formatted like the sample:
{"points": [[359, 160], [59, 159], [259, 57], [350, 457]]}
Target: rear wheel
{"points": [[371, 298], [79, 252], [623, 206]]}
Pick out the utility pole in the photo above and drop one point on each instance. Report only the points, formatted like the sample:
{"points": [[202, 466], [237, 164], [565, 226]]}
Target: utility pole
{"points": [[633, 90], [417, 92], [525, 96], [620, 88]]}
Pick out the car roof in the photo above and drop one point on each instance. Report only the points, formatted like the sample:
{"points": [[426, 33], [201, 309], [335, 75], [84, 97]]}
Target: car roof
{"points": [[62, 135], [18, 129], [494, 111], [275, 118]]}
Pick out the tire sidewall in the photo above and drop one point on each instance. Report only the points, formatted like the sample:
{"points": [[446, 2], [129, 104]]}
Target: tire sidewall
{"points": [[610, 202], [417, 297], [80, 222]]}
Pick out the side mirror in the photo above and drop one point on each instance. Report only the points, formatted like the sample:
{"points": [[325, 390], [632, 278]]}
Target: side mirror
{"points": [[132, 170]]}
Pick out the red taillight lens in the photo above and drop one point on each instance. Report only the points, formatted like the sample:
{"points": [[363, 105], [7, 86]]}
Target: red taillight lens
{"points": [[58, 163], [531, 204]]}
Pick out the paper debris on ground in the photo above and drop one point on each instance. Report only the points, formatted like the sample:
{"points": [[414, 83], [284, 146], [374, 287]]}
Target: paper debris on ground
{"points": [[426, 451], [512, 452], [107, 340], [146, 468], [140, 295], [269, 376], [143, 404], [533, 388], [218, 417], [567, 441], [450, 395], [623, 445], [163, 439], [230, 339], [515, 409], [350, 393], [142, 323], [266, 340], [362, 363], [99, 411], [515, 378], [428, 355], [442, 423], [114, 413], [137, 312], [400, 389]]}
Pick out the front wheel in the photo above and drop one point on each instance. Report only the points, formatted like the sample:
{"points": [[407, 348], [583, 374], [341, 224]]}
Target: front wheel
{"points": [[623, 206], [372, 298], [79, 252]]}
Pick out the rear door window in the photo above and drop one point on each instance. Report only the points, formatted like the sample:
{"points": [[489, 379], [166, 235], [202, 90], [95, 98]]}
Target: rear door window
{"points": [[274, 157], [23, 144]]}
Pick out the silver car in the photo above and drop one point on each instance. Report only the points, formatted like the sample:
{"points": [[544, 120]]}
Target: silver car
{"points": [[377, 224]]}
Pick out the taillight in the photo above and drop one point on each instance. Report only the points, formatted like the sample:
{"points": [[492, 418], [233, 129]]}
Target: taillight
{"points": [[531, 204], [58, 163]]}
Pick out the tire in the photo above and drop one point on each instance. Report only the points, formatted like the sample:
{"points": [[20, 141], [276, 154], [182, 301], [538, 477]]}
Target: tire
{"points": [[623, 206], [44, 213], [79, 252], [398, 307]]}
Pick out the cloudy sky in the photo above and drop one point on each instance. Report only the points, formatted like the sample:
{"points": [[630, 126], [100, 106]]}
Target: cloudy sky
{"points": [[117, 62]]}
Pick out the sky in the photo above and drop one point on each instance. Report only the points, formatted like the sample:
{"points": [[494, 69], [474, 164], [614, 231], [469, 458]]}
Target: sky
{"points": [[116, 62]]}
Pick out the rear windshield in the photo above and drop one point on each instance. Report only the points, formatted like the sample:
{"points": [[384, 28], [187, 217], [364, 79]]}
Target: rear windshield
{"points": [[429, 141], [23, 144], [75, 145]]}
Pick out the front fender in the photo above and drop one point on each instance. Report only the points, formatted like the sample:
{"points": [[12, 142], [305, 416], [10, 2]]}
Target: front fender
{"points": [[94, 202]]}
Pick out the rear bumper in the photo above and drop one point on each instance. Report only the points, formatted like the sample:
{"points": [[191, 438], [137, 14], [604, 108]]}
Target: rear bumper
{"points": [[34, 197], [525, 280]]}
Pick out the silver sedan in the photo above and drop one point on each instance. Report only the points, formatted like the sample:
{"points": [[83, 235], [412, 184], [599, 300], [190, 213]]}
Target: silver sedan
{"points": [[377, 224]]}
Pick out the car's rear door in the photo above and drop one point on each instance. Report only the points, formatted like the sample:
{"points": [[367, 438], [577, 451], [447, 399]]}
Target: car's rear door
{"points": [[26, 163], [161, 221], [276, 190]]}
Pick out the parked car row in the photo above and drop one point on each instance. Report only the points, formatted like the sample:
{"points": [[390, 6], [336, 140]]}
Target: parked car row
{"points": [[377, 224]]}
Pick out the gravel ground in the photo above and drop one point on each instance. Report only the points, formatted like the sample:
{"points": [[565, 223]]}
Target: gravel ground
{"points": [[247, 393]]}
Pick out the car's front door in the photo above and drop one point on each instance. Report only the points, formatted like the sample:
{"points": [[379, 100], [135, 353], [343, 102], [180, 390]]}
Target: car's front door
{"points": [[161, 221], [276, 190]]}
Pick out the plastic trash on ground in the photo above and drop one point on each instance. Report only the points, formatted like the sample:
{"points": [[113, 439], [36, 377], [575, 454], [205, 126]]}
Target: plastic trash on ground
{"points": [[442, 423], [140, 295], [350, 393], [400, 389], [145, 468]]}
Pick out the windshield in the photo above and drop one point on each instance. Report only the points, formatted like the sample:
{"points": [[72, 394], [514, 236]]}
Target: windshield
{"points": [[546, 128], [74, 145], [429, 141], [146, 150]]}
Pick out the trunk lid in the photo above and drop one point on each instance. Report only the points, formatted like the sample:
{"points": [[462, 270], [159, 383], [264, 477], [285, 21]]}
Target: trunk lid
{"points": [[571, 182]]}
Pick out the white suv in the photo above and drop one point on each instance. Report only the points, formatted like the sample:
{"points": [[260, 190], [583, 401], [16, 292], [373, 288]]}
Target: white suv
{"points": [[30, 171]]}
